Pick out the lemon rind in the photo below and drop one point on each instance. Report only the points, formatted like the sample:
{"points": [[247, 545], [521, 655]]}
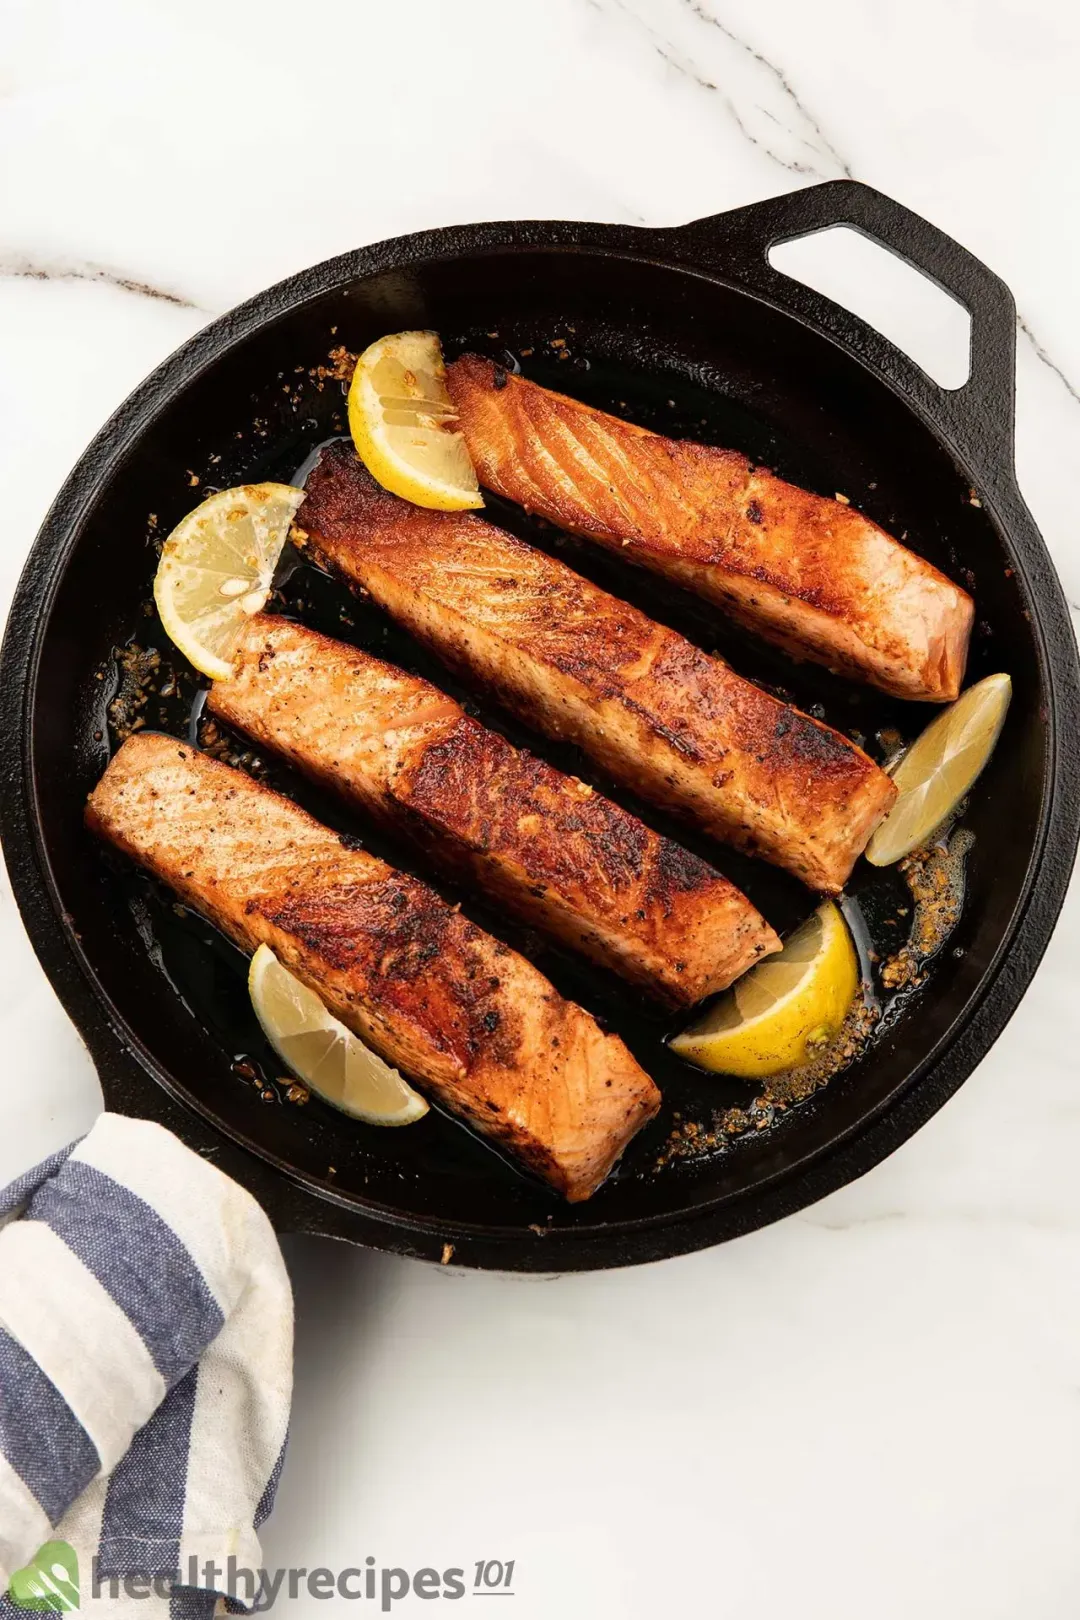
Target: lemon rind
{"points": [[735, 1050]]}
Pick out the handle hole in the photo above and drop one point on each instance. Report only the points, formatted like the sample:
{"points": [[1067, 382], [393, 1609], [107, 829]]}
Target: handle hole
{"points": [[889, 294]]}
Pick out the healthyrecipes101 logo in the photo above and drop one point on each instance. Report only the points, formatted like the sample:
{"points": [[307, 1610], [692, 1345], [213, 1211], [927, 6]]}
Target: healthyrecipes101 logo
{"points": [[51, 1582]]}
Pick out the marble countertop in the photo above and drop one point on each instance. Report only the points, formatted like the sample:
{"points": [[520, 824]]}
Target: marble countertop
{"points": [[875, 1405]]}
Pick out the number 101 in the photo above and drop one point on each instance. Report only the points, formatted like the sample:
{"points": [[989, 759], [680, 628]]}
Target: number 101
{"points": [[493, 1572]]}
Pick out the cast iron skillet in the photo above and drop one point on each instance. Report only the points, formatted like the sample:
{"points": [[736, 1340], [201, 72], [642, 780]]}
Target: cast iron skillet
{"points": [[693, 329]]}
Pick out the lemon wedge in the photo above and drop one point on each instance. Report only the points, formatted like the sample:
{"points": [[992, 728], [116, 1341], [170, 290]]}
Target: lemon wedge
{"points": [[402, 421], [940, 767], [217, 568], [322, 1053], [783, 1010]]}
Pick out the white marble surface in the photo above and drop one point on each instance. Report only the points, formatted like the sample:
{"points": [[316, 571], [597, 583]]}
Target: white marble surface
{"points": [[875, 1406]]}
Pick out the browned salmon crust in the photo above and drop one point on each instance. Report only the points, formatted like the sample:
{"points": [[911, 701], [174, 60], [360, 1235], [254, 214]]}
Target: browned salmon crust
{"points": [[558, 854], [679, 727], [474, 1023], [805, 571]]}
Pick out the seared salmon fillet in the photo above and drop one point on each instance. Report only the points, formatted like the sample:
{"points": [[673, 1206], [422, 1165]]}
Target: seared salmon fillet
{"points": [[556, 853], [807, 572], [474, 1023], [677, 726]]}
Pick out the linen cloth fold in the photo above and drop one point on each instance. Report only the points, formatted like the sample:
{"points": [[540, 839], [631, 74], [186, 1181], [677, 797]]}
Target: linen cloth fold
{"points": [[146, 1338]]}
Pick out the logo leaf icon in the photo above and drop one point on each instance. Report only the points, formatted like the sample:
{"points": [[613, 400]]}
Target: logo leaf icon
{"points": [[50, 1583]]}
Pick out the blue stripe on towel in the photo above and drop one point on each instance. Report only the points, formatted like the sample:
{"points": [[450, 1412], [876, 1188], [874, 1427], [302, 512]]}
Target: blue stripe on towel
{"points": [[192, 1603], [266, 1500], [188, 1603], [137, 1259], [144, 1505], [55, 1457], [23, 1187]]}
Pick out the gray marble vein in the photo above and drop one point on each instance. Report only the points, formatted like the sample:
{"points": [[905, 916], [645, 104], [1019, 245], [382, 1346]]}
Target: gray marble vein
{"points": [[820, 140], [26, 269], [765, 108], [1046, 358]]}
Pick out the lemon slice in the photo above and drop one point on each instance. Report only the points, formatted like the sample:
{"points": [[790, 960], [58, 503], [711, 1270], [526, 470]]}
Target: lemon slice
{"points": [[217, 567], [940, 767], [783, 1010], [322, 1053], [402, 421]]}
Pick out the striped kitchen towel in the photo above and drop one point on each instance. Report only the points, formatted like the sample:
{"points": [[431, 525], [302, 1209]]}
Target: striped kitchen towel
{"points": [[145, 1375]]}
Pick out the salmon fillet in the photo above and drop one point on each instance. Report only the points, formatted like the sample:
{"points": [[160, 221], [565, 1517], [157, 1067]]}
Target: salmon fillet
{"points": [[807, 572], [556, 853], [677, 726], [475, 1024]]}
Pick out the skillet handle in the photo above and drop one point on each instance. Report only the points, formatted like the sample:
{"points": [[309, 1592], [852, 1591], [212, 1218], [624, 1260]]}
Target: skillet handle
{"points": [[976, 419], [127, 1088]]}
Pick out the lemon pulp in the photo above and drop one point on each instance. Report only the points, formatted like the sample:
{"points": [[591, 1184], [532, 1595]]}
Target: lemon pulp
{"points": [[217, 569]]}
